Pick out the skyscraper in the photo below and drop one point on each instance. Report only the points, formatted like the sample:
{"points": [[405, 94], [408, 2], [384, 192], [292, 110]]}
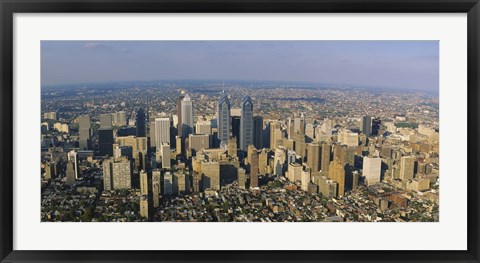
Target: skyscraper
{"points": [[407, 167], [246, 123], [140, 122], [187, 116], [372, 169], [156, 187], [257, 132], [179, 112], [326, 154], [162, 131], [223, 118], [84, 132], [366, 126], [143, 183], [166, 155], [313, 156], [105, 135]]}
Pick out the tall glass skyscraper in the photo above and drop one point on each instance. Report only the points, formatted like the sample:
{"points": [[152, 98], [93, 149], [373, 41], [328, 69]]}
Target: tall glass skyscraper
{"points": [[223, 117], [140, 122], [246, 123], [187, 116]]}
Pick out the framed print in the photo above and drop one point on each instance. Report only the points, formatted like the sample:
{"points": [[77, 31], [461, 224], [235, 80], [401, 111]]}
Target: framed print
{"points": [[239, 131]]}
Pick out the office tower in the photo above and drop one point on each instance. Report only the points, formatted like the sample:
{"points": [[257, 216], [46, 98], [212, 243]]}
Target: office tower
{"points": [[61, 127], [275, 134], [313, 156], [139, 149], [211, 174], [166, 155], [143, 183], [290, 127], [105, 141], [279, 161], [50, 115], [299, 125], [156, 187], [179, 112], [305, 180], [106, 121], [263, 161], [162, 131], [168, 183], [178, 145], [84, 132], [309, 131], [326, 157], [140, 122], [253, 163], [232, 146], [107, 175], [196, 182], [376, 124], [355, 179], [348, 137], [203, 127], [300, 149], [242, 178], [119, 118], [72, 157], [257, 132], [236, 129], [70, 172], [122, 174], [153, 134], [144, 206], [288, 143], [180, 183], [223, 118], [327, 188], [49, 170], [294, 172], [366, 125], [198, 142], [291, 156], [407, 167], [246, 123], [254, 181], [372, 169], [187, 116], [336, 172], [327, 127]]}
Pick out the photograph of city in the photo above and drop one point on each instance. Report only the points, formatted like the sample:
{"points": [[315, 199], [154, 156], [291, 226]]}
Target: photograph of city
{"points": [[239, 131]]}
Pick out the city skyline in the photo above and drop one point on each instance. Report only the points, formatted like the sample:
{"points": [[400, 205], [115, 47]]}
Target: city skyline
{"points": [[380, 64]]}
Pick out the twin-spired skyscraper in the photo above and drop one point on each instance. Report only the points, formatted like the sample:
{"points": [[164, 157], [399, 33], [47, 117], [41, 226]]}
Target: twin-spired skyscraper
{"points": [[246, 123], [223, 118]]}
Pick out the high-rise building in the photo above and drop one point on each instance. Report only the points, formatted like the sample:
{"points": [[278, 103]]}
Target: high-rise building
{"points": [[162, 131], [166, 155], [117, 174], [72, 157], [198, 142], [179, 112], [326, 157], [140, 122], [294, 172], [372, 169], [246, 123], [84, 132], [143, 183], [168, 183], [279, 161], [70, 172], [336, 172], [366, 125], [211, 174], [348, 137], [407, 167], [236, 129], [263, 161], [242, 178], [313, 156], [120, 118], [203, 127], [275, 134], [257, 132], [305, 180], [156, 187], [144, 206], [105, 141], [327, 187], [187, 116], [106, 121], [223, 118], [50, 115], [232, 146], [180, 183]]}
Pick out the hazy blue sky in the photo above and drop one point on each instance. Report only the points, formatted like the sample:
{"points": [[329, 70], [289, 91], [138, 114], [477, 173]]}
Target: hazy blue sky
{"points": [[401, 64]]}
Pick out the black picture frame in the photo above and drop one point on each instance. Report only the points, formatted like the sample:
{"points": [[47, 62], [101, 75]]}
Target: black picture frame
{"points": [[9, 8]]}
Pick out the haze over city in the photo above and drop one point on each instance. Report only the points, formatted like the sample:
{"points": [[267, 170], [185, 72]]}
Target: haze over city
{"points": [[384, 64]]}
